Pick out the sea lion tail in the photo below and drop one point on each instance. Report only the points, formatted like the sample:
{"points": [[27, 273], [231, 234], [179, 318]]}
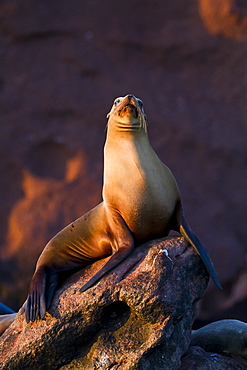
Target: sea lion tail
{"points": [[193, 239], [35, 305]]}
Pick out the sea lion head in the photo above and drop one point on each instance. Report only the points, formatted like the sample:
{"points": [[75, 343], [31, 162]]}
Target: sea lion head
{"points": [[127, 114]]}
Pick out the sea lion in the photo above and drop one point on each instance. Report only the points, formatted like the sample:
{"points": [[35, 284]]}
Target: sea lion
{"points": [[6, 321], [226, 337], [141, 202], [5, 309], [7, 316]]}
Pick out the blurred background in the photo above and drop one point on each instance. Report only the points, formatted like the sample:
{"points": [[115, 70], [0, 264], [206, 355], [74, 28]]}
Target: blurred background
{"points": [[62, 65]]}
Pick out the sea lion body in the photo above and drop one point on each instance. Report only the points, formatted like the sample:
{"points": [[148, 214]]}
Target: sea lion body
{"points": [[141, 201], [7, 316], [83, 241], [145, 198], [226, 337], [4, 310], [6, 321]]}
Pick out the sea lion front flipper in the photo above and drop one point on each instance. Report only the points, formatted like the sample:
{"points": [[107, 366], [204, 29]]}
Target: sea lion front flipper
{"points": [[193, 239], [122, 245], [35, 305], [115, 259]]}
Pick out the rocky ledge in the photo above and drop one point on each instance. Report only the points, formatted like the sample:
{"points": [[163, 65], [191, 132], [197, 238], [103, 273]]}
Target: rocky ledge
{"points": [[137, 317]]}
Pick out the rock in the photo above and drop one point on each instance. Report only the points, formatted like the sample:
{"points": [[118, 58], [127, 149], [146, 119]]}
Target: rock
{"points": [[138, 316], [197, 358], [225, 17], [63, 62]]}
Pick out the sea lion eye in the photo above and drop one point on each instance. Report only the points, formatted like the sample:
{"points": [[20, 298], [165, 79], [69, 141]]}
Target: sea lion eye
{"points": [[140, 103], [117, 101]]}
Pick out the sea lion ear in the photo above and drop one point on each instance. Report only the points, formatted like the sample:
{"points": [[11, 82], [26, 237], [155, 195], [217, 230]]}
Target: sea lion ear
{"points": [[108, 115]]}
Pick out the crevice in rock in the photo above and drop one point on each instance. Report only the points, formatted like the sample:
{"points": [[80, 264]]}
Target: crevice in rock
{"points": [[115, 315]]}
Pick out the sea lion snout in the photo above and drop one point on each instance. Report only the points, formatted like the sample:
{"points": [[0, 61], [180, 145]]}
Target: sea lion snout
{"points": [[129, 100], [127, 113], [129, 106], [135, 101], [131, 109], [133, 104]]}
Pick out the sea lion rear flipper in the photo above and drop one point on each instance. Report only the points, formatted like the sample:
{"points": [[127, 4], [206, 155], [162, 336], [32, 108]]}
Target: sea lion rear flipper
{"points": [[35, 305], [193, 239]]}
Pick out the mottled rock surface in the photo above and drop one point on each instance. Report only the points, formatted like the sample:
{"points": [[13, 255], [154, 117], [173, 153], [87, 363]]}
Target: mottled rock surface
{"points": [[138, 317], [62, 64]]}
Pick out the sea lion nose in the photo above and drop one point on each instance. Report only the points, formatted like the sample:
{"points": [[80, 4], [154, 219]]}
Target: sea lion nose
{"points": [[130, 96]]}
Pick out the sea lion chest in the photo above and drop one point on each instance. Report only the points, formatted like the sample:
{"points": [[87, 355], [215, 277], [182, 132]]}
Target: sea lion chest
{"points": [[139, 186]]}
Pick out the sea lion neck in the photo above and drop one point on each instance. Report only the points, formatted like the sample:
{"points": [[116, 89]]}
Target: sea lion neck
{"points": [[118, 131]]}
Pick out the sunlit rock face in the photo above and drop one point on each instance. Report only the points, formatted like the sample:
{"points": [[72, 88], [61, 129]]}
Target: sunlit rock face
{"points": [[62, 66], [138, 316], [227, 18]]}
